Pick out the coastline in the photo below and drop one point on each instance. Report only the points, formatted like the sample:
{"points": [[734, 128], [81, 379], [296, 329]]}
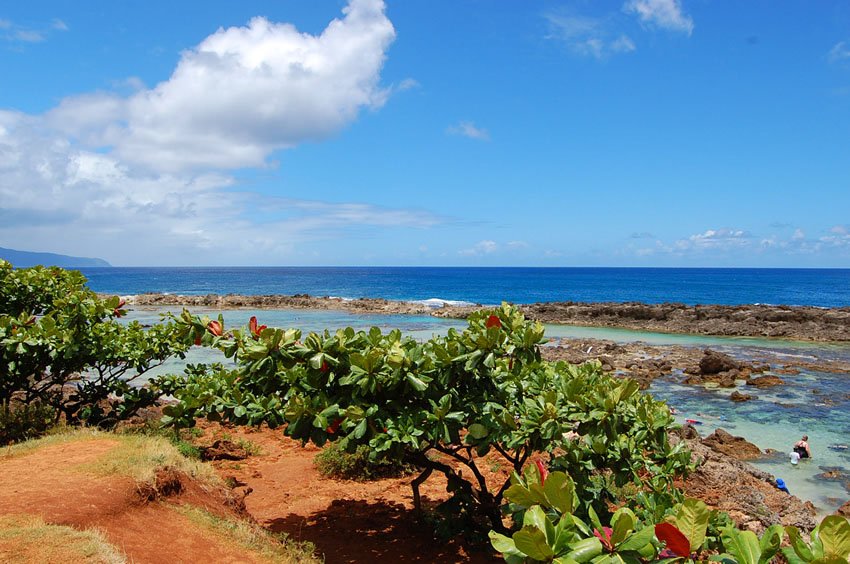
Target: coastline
{"points": [[801, 323], [737, 379]]}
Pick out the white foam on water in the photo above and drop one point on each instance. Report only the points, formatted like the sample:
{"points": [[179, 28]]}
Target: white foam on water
{"points": [[438, 302]]}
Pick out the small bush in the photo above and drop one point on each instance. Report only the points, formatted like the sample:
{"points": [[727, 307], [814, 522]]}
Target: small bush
{"points": [[335, 462], [21, 422]]}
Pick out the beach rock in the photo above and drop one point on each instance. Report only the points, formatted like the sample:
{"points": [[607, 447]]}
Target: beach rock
{"points": [[844, 510], [765, 381], [737, 396], [749, 495], [714, 362], [736, 447], [688, 431]]}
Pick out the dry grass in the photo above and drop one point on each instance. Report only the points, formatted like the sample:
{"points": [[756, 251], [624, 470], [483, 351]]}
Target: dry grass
{"points": [[271, 547], [26, 539]]}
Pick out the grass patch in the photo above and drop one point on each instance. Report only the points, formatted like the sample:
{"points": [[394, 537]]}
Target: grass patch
{"points": [[25, 539], [274, 547], [140, 456], [135, 456], [335, 462]]}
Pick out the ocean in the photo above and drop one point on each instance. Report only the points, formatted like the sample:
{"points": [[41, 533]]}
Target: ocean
{"points": [[491, 285]]}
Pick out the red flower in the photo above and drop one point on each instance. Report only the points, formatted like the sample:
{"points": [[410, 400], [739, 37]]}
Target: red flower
{"points": [[604, 536], [198, 340], [493, 321], [255, 329], [334, 427], [214, 327], [544, 472], [324, 367], [675, 541]]}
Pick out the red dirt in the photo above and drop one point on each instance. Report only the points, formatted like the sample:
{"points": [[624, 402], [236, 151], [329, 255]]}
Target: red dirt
{"points": [[347, 521], [46, 482]]}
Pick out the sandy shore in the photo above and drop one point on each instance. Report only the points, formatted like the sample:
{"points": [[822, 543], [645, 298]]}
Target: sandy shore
{"points": [[787, 322]]}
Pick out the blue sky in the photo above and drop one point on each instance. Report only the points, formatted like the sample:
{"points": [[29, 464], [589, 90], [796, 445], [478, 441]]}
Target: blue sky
{"points": [[427, 132]]}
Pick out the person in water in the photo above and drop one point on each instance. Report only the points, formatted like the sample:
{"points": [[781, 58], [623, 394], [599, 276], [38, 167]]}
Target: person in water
{"points": [[801, 447]]}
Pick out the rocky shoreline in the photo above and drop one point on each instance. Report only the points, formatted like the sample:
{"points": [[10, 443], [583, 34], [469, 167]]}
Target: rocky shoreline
{"points": [[803, 323]]}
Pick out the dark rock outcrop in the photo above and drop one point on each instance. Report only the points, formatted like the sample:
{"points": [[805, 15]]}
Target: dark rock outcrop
{"points": [[765, 381], [749, 495], [735, 447], [737, 396]]}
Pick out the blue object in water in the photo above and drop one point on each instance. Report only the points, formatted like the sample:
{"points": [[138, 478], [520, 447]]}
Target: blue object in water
{"points": [[780, 484]]}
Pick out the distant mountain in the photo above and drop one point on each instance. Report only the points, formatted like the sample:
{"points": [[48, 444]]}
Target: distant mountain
{"points": [[23, 259]]}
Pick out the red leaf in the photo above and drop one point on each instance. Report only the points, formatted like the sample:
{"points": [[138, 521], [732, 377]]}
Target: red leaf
{"points": [[324, 367], [256, 329], [493, 321], [673, 537], [544, 472], [214, 328], [604, 536], [198, 341]]}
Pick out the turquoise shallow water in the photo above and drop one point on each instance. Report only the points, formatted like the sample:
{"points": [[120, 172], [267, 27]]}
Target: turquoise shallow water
{"points": [[814, 403]]}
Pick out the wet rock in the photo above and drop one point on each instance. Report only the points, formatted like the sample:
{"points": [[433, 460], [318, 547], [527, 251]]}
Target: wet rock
{"points": [[737, 396], [736, 447], [765, 381], [844, 510], [714, 362], [749, 495]]}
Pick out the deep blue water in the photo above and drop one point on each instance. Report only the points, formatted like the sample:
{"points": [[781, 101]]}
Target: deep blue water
{"points": [[819, 287]]}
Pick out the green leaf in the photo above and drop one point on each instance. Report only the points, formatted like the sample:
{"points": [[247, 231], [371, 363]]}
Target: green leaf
{"points": [[692, 519], [622, 522], [560, 492], [834, 533], [502, 544], [417, 384], [585, 549], [770, 542], [743, 545], [519, 495], [801, 549], [478, 431], [637, 540], [532, 541]]}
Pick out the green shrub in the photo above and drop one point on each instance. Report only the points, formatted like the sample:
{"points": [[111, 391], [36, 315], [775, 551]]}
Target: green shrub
{"points": [[63, 347], [441, 406], [335, 462], [21, 422]]}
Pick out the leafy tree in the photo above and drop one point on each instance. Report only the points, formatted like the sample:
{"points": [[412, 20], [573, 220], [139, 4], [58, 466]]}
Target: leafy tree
{"points": [[62, 347], [439, 405]]}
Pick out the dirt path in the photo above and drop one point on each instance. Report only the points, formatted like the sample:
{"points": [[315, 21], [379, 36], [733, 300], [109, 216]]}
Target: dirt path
{"points": [[48, 482], [347, 521]]}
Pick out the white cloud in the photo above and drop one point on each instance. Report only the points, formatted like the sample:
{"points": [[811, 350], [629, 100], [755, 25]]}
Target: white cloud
{"points": [[15, 33], [143, 178], [408, 84], [839, 52], [245, 92], [469, 129], [663, 14], [588, 36], [481, 248]]}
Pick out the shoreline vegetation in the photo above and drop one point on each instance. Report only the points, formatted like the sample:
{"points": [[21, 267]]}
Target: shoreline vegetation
{"points": [[802, 323]]}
